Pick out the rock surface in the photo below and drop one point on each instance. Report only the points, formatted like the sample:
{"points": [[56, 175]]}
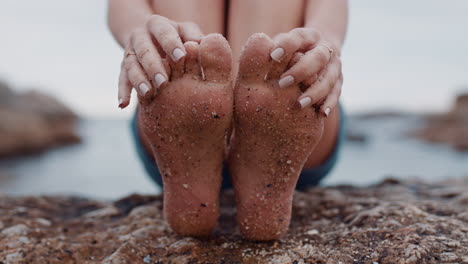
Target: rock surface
{"points": [[449, 128], [392, 222], [32, 122]]}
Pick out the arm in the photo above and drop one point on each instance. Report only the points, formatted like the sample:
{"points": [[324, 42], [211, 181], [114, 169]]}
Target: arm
{"points": [[318, 44], [145, 37], [125, 16], [330, 18]]}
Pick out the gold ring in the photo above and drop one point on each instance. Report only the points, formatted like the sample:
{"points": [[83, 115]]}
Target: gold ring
{"points": [[329, 49]]}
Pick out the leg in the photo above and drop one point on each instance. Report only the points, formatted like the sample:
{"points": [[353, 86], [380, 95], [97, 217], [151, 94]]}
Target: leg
{"points": [[247, 17], [207, 14], [185, 127], [274, 140]]}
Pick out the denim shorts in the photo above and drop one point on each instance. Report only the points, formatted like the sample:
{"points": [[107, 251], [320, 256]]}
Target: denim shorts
{"points": [[308, 177]]}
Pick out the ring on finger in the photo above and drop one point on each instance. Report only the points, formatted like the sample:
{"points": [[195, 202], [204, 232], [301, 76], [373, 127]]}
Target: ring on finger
{"points": [[329, 49]]}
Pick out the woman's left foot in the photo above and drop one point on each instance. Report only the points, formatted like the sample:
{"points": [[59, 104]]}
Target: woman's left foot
{"points": [[273, 139]]}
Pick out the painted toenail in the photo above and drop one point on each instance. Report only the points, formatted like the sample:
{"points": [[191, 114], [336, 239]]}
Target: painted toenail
{"points": [[327, 111], [120, 102], [159, 79], [305, 102], [177, 54], [143, 88], [286, 81], [277, 54]]}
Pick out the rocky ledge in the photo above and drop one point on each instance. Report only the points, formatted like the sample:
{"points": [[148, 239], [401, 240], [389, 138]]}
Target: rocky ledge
{"points": [[392, 222], [448, 128], [32, 122]]}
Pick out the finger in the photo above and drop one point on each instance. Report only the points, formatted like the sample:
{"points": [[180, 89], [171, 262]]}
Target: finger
{"points": [[332, 99], [311, 63], [125, 88], [149, 58], [279, 67], [322, 87], [190, 32], [299, 39], [296, 57], [307, 82], [167, 36], [136, 75]]}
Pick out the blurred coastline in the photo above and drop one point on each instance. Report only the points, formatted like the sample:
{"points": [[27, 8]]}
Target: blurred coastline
{"points": [[448, 128], [105, 165], [32, 122], [400, 55]]}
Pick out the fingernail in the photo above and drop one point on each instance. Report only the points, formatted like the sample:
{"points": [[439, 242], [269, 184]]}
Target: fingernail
{"points": [[277, 54], [177, 54], [143, 88], [304, 102], [120, 102], [327, 111], [286, 81], [159, 79]]}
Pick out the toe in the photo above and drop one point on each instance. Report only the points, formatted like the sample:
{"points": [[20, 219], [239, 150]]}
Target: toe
{"points": [[215, 58], [255, 61], [191, 60]]}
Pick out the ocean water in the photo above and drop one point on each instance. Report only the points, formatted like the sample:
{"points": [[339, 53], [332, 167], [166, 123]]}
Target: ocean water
{"points": [[105, 165]]}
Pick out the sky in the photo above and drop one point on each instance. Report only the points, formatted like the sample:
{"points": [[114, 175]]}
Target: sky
{"points": [[399, 54]]}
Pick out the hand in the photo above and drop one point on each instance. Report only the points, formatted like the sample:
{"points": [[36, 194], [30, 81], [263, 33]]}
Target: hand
{"points": [[315, 64], [144, 66]]}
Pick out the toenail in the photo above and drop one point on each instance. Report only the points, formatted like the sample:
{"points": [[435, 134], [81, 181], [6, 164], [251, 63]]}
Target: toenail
{"points": [[277, 54], [327, 111], [177, 54], [286, 81], [304, 102], [159, 79], [120, 102], [143, 88]]}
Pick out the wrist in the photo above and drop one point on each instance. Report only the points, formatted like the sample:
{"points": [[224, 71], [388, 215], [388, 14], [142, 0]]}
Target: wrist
{"points": [[334, 44], [329, 39], [125, 33]]}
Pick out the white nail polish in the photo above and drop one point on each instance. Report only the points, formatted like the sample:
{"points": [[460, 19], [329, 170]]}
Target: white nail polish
{"points": [[327, 111], [159, 79], [305, 102], [177, 54], [277, 54], [143, 88], [120, 101], [286, 81]]}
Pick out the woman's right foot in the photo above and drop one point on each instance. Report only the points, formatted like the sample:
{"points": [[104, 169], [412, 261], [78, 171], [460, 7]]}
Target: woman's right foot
{"points": [[272, 140], [185, 125]]}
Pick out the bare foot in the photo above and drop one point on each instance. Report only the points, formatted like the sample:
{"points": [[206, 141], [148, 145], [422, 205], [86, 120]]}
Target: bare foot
{"points": [[185, 125], [273, 139]]}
